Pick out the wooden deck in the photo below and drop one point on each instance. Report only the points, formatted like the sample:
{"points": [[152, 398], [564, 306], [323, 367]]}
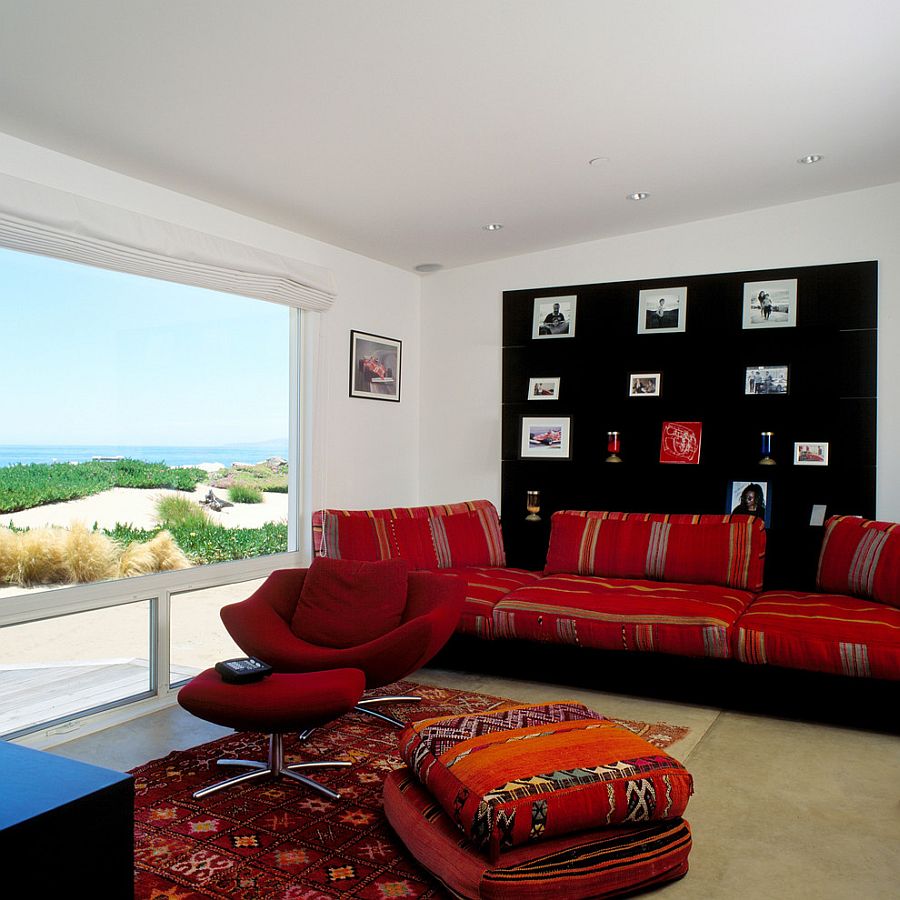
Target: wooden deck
{"points": [[31, 695]]}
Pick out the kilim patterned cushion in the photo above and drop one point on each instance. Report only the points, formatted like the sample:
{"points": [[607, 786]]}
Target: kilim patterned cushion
{"points": [[821, 632], [620, 614], [861, 557], [723, 550], [523, 773], [428, 537], [598, 862]]}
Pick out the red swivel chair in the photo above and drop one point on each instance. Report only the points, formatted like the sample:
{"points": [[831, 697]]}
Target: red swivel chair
{"points": [[261, 627]]}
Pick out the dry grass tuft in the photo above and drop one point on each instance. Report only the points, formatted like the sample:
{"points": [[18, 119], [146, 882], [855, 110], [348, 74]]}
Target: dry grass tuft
{"points": [[78, 555]]}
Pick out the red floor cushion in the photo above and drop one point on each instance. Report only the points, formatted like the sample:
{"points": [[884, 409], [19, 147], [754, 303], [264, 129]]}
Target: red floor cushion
{"points": [[821, 632], [622, 614], [599, 862], [524, 773]]}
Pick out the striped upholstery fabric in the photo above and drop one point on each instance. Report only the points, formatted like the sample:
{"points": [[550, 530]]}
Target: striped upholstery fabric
{"points": [[861, 557], [821, 632], [525, 773], [723, 550], [622, 614], [453, 535], [599, 862], [485, 587]]}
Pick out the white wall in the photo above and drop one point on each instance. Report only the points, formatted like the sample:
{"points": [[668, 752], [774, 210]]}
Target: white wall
{"points": [[461, 319], [370, 448]]}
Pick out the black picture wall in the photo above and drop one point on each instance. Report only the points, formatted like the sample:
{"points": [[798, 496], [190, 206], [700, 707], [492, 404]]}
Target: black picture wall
{"points": [[789, 351]]}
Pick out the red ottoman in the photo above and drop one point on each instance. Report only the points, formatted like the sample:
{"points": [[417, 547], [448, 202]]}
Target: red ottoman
{"points": [[526, 800], [600, 862], [279, 703]]}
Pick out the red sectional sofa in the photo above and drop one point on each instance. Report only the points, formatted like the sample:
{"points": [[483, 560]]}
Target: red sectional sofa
{"points": [[677, 584]]}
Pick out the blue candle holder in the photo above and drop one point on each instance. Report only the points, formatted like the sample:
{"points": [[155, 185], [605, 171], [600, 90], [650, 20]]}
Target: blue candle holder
{"points": [[766, 449]]}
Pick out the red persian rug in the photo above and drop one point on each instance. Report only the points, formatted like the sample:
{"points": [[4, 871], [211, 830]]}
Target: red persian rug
{"points": [[276, 840]]}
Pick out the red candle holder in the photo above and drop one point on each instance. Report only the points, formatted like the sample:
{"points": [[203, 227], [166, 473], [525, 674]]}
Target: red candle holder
{"points": [[613, 445]]}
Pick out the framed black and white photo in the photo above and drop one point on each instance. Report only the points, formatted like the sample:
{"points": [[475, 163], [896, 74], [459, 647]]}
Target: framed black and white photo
{"points": [[766, 380], [374, 366], [750, 498], [554, 317], [543, 388], [770, 304], [644, 384], [546, 437], [662, 311], [811, 453]]}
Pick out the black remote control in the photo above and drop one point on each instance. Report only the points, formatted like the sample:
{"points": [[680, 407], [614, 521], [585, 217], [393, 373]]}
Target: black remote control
{"points": [[243, 669]]}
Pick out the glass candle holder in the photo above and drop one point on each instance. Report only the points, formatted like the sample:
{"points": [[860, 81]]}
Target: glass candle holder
{"points": [[766, 448], [533, 505], [613, 445]]}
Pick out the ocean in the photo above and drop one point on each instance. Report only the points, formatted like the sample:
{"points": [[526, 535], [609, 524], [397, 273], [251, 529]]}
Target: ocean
{"points": [[10, 454]]}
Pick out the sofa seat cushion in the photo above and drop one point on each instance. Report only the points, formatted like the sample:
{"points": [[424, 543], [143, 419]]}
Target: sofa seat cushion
{"points": [[527, 773], [702, 549], [622, 614], [598, 862], [820, 632], [485, 587]]}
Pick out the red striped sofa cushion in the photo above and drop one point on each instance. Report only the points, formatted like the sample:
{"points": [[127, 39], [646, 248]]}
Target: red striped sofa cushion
{"points": [[428, 537], [861, 557], [724, 550], [622, 614], [485, 587], [521, 774], [820, 632], [598, 862]]}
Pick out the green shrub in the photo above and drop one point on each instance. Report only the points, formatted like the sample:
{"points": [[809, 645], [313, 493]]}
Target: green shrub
{"points": [[173, 511], [242, 493]]}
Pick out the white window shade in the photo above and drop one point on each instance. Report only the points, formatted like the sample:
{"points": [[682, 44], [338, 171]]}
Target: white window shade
{"points": [[38, 219]]}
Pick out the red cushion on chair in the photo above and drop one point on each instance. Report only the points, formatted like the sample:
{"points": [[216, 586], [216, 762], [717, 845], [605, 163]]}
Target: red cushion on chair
{"points": [[345, 603]]}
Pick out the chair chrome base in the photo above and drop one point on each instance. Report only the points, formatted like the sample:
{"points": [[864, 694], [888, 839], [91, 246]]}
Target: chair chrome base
{"points": [[363, 707], [274, 767]]}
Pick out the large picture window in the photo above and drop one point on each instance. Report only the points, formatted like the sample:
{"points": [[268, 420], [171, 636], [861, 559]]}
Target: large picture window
{"points": [[147, 433]]}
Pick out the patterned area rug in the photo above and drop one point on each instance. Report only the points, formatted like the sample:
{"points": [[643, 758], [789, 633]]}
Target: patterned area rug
{"points": [[276, 840]]}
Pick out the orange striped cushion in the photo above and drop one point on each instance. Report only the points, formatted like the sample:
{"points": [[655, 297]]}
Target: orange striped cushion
{"points": [[861, 557], [525, 773], [723, 550]]}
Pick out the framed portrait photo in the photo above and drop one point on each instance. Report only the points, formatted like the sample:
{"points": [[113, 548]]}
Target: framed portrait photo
{"points": [[374, 366], [749, 498], [554, 317], [644, 384], [811, 453], [546, 437], [770, 304], [543, 388], [766, 380], [662, 311]]}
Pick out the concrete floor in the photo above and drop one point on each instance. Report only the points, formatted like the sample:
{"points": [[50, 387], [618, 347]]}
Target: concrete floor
{"points": [[781, 809]]}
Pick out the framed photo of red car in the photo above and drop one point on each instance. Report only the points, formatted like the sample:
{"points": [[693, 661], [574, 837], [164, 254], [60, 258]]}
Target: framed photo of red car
{"points": [[374, 366], [546, 437], [811, 453]]}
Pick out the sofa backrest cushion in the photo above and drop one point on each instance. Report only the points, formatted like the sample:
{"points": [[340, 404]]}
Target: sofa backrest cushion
{"points": [[428, 537], [345, 603], [861, 557], [724, 550]]}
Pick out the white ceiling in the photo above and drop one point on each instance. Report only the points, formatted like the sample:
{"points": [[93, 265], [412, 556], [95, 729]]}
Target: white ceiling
{"points": [[397, 128]]}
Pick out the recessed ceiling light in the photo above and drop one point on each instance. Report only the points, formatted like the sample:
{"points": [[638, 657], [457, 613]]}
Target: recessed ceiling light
{"points": [[809, 160], [598, 160], [429, 267], [637, 195], [492, 226]]}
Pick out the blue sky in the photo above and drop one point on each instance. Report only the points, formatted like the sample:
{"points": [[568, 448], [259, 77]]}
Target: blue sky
{"points": [[96, 357]]}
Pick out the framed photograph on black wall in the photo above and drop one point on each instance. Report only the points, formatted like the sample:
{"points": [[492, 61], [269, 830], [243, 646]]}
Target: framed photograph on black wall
{"points": [[546, 437], [554, 317], [770, 304], [662, 311], [749, 498], [766, 380], [644, 384], [543, 388]]}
